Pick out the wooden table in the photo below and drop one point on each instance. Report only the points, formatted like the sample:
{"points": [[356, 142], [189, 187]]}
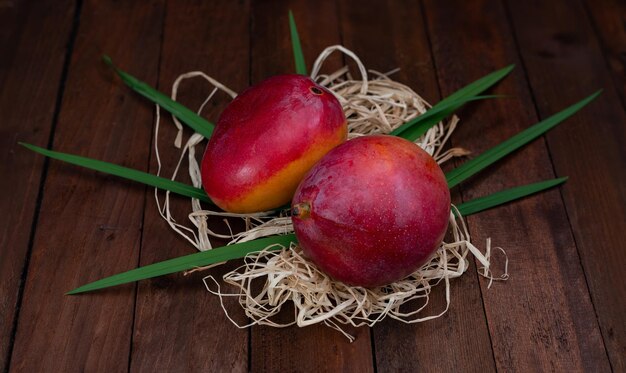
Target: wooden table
{"points": [[561, 310]]}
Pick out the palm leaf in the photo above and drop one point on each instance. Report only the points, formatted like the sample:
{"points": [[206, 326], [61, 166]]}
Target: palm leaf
{"points": [[240, 250], [494, 154], [502, 197], [298, 56], [193, 120], [479, 85], [415, 128], [418, 126], [124, 172], [204, 258]]}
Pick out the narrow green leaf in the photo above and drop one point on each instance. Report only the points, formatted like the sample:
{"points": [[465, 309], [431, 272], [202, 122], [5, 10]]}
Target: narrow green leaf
{"points": [[418, 126], [193, 120], [127, 173], [508, 195], [479, 85], [492, 155], [240, 250], [415, 128], [217, 255], [297, 48]]}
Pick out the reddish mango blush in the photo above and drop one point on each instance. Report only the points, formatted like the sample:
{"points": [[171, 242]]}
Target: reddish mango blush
{"points": [[266, 140], [372, 211]]}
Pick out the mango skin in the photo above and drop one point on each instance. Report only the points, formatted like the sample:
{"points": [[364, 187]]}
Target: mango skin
{"points": [[372, 211], [266, 140]]}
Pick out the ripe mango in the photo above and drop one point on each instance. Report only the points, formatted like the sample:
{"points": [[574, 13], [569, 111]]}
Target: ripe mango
{"points": [[266, 140], [372, 211]]}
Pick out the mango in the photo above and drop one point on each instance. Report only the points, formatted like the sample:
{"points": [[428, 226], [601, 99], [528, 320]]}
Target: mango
{"points": [[266, 140], [372, 211]]}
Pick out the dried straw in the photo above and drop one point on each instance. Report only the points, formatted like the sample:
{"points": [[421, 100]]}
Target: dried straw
{"points": [[372, 105]]}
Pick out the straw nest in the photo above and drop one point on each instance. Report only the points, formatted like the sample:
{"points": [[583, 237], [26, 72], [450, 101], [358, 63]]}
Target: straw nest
{"points": [[272, 279]]}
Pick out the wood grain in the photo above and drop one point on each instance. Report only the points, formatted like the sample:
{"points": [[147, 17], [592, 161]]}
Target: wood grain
{"points": [[608, 18], [565, 63], [561, 310], [541, 319], [315, 348], [175, 315], [400, 347], [90, 224], [33, 42]]}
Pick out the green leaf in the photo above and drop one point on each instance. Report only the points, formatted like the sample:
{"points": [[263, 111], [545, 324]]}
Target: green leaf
{"points": [[418, 126], [193, 120], [415, 128], [240, 250], [479, 85], [492, 155], [217, 255], [508, 195], [297, 48], [127, 173]]}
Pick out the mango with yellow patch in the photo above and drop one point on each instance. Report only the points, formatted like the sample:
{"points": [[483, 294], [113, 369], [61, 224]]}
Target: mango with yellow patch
{"points": [[266, 140]]}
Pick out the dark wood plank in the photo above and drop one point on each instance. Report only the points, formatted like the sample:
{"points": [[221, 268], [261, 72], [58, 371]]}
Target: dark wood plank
{"points": [[14, 17], [542, 318], [175, 315], [400, 347], [316, 348], [565, 63], [90, 224], [33, 42], [609, 20]]}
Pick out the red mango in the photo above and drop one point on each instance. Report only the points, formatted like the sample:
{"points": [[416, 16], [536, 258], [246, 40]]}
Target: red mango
{"points": [[372, 211], [266, 140]]}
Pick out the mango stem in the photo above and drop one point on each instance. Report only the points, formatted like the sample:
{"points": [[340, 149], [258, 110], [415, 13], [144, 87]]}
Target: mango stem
{"points": [[301, 210]]}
